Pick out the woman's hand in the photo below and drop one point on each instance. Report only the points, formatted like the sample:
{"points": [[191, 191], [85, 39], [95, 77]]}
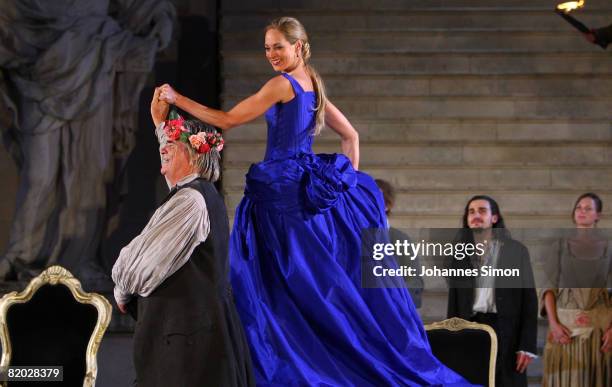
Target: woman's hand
{"points": [[560, 333], [606, 341], [168, 94], [159, 109]]}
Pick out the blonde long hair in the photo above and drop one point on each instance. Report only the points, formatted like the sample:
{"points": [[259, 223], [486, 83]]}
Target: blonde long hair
{"points": [[293, 31]]}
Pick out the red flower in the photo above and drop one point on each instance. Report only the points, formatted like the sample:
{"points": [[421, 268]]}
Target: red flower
{"points": [[174, 128], [204, 148], [172, 134], [178, 123]]}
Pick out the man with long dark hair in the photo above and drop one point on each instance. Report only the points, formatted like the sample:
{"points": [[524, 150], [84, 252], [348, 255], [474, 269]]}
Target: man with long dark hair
{"points": [[507, 304]]}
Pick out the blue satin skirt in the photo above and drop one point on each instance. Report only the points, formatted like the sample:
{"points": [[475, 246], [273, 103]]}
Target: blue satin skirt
{"points": [[295, 270]]}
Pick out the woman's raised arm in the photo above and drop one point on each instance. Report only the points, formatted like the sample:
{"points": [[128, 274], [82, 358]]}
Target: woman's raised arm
{"points": [[341, 125], [275, 90]]}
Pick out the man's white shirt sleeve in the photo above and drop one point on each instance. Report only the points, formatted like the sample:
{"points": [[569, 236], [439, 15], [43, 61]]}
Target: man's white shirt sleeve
{"points": [[164, 245]]}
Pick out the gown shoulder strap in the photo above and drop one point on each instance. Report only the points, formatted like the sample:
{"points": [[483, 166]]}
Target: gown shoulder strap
{"points": [[297, 88]]}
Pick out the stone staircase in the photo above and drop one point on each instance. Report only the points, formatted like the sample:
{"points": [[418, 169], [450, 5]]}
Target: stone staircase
{"points": [[451, 98]]}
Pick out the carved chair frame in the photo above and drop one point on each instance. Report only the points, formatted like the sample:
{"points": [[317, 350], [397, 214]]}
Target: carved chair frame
{"points": [[458, 324], [57, 275]]}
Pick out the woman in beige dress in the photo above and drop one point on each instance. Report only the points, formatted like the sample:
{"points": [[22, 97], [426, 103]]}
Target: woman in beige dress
{"points": [[579, 341]]}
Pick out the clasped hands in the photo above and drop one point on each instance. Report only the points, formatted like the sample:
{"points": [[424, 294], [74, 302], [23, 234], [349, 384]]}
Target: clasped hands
{"points": [[163, 97], [561, 334]]}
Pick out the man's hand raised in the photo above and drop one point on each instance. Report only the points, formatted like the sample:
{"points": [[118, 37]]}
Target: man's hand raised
{"points": [[159, 108]]}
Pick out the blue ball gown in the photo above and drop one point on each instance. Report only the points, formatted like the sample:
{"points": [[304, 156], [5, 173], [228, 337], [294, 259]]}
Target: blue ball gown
{"points": [[295, 270]]}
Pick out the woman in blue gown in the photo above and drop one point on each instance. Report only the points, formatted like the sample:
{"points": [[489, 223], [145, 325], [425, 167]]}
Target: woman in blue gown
{"points": [[295, 244]]}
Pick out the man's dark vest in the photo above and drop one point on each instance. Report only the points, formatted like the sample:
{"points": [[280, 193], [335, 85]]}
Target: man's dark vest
{"points": [[207, 270]]}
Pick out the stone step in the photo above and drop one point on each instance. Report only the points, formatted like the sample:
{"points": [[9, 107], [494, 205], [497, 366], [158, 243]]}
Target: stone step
{"points": [[229, 6], [534, 202], [437, 202], [316, 20], [512, 220], [331, 140], [557, 85], [470, 107], [374, 42], [431, 63], [468, 155], [451, 130], [454, 220], [474, 178]]}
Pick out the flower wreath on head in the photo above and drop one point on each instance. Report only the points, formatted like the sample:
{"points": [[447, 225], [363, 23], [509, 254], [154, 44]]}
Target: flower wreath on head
{"points": [[201, 142]]}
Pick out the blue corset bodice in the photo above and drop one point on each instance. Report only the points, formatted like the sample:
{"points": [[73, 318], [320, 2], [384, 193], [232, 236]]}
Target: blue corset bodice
{"points": [[290, 124], [291, 177]]}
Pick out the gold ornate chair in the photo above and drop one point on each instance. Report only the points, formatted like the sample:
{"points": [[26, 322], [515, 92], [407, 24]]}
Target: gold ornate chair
{"points": [[466, 347], [53, 322]]}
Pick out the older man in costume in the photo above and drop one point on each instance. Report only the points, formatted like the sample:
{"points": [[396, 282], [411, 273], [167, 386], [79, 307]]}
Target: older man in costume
{"points": [[174, 275]]}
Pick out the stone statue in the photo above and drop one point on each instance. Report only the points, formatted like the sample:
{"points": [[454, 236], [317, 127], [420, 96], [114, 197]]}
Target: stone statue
{"points": [[71, 76]]}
